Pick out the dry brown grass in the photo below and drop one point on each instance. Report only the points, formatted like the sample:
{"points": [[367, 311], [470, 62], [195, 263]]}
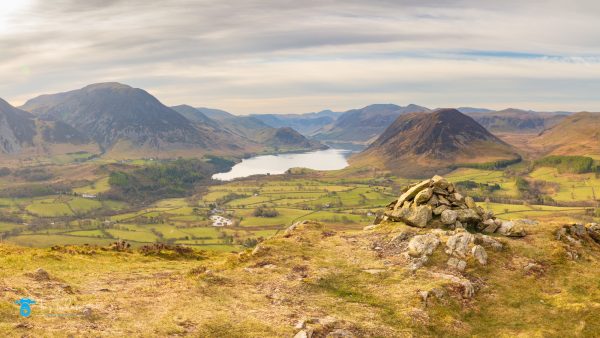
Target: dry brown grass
{"points": [[309, 273]]}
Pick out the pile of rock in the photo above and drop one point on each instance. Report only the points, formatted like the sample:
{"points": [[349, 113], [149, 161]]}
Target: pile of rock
{"points": [[435, 203], [575, 236]]}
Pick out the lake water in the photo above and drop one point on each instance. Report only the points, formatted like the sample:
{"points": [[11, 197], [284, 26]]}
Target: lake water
{"points": [[330, 159]]}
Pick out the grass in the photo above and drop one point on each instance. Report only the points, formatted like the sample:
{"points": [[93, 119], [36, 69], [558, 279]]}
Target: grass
{"points": [[572, 187], [99, 186], [339, 202], [49, 208], [4, 226], [44, 240], [87, 233], [83, 205], [137, 236]]}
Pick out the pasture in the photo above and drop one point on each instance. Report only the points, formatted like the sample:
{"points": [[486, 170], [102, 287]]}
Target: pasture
{"points": [[339, 203]]}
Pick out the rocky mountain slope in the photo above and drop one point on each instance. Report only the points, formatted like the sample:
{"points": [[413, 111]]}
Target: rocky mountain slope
{"points": [[23, 137], [361, 126], [244, 126], [195, 115], [577, 134], [516, 120], [112, 113], [17, 128], [421, 143]]}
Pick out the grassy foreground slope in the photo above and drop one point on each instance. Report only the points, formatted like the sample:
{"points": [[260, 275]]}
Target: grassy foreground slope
{"points": [[312, 277]]}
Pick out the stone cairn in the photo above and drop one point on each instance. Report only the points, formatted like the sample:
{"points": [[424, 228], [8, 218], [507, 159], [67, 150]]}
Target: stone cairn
{"points": [[435, 203]]}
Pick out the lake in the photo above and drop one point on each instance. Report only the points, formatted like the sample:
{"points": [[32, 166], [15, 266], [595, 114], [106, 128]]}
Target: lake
{"points": [[330, 159]]}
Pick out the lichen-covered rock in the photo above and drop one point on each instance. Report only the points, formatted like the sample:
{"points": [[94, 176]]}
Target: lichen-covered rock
{"points": [[479, 254], [458, 245], [412, 192], [438, 210], [511, 229], [488, 241], [577, 230], [420, 216], [423, 245], [467, 286], [490, 226], [593, 229], [440, 182], [457, 264], [470, 202], [448, 217], [423, 196], [468, 216]]}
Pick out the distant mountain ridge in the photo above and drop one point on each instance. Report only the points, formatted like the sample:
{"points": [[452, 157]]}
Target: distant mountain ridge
{"points": [[252, 129], [418, 144], [361, 126], [516, 120], [306, 124], [577, 134], [288, 138]]}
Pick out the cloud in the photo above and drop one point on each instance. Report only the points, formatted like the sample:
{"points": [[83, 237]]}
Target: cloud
{"points": [[294, 56]]}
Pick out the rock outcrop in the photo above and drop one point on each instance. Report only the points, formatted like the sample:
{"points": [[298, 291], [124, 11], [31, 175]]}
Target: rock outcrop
{"points": [[435, 203]]}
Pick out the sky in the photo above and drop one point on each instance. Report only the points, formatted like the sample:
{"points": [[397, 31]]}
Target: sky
{"points": [[291, 56]]}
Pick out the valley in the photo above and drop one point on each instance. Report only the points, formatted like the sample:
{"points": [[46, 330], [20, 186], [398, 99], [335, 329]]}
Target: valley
{"points": [[341, 199]]}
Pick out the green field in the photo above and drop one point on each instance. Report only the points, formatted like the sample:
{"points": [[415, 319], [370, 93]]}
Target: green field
{"points": [[339, 203], [571, 187]]}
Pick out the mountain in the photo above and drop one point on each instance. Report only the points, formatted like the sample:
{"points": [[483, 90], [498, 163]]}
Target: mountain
{"points": [[516, 120], [60, 132], [111, 112], [360, 126], [419, 144], [247, 127], [577, 134], [25, 138], [250, 129], [215, 114], [470, 110], [194, 115], [17, 128], [306, 124], [288, 139]]}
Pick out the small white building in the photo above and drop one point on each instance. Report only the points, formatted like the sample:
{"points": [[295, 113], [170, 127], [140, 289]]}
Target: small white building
{"points": [[220, 221], [88, 195]]}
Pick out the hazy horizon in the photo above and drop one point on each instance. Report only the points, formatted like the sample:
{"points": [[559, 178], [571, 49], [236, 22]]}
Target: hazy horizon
{"points": [[258, 57]]}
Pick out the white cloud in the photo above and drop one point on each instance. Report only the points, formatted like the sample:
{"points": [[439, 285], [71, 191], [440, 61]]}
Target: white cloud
{"points": [[295, 56]]}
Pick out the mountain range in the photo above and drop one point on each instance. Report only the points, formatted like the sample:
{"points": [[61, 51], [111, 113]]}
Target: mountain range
{"points": [[125, 122], [516, 120], [362, 126], [307, 124], [250, 130], [120, 121]]}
